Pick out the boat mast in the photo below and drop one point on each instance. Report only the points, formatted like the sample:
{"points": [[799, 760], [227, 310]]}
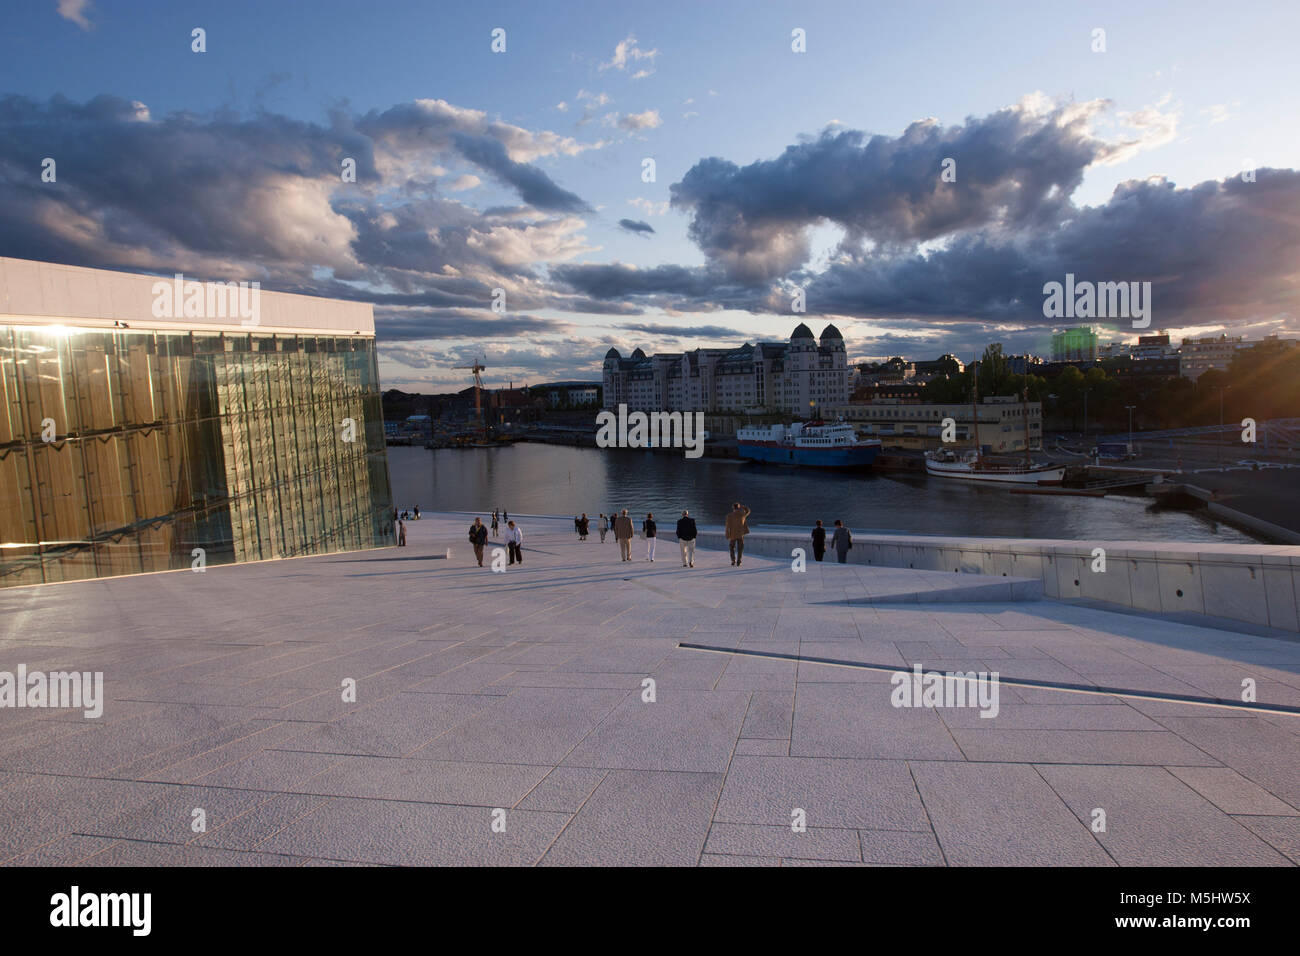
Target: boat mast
{"points": [[974, 407], [1024, 405]]}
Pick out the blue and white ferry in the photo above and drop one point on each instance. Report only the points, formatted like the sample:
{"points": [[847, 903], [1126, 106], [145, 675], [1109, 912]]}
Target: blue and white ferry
{"points": [[813, 444]]}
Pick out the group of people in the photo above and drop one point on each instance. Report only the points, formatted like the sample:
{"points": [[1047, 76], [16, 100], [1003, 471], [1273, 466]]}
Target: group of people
{"points": [[620, 523], [399, 522], [478, 535], [841, 541]]}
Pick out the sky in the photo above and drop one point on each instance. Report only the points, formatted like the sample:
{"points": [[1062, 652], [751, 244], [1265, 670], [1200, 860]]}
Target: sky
{"points": [[1163, 149]]}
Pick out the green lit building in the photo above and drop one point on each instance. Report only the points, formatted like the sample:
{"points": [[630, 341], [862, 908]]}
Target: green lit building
{"points": [[1075, 345], [154, 424]]}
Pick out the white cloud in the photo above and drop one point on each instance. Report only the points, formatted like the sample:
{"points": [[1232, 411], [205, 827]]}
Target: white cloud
{"points": [[466, 181], [75, 10], [638, 121], [628, 52], [648, 207]]}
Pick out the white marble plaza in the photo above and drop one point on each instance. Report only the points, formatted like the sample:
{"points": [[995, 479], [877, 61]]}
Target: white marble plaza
{"points": [[517, 697]]}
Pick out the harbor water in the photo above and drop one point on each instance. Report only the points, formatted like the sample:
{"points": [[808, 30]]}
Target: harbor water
{"points": [[553, 479]]}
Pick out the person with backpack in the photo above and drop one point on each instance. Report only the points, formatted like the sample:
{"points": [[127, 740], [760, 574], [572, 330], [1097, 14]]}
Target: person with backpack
{"points": [[686, 535], [842, 540], [650, 531], [478, 538], [819, 542]]}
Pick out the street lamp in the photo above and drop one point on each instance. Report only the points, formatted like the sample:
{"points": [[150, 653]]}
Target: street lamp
{"points": [[1218, 439], [1130, 427]]}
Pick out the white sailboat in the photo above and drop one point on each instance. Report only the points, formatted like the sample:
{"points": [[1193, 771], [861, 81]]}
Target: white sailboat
{"points": [[970, 465]]}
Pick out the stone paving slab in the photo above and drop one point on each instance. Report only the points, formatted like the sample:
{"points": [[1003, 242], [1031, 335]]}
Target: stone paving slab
{"points": [[524, 698]]}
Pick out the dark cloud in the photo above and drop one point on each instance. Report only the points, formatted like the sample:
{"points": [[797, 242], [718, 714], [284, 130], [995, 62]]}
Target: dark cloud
{"points": [[637, 226], [417, 326], [534, 186], [684, 331], [1220, 251]]}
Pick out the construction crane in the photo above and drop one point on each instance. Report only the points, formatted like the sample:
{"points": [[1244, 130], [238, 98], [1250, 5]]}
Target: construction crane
{"points": [[477, 367]]}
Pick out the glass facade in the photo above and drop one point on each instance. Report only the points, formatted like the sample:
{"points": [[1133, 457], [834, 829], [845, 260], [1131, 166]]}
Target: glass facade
{"points": [[124, 451]]}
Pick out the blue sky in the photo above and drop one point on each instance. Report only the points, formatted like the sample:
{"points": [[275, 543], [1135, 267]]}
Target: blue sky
{"points": [[1187, 92]]}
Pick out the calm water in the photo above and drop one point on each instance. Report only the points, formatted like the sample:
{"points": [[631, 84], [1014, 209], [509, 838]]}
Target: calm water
{"points": [[550, 479]]}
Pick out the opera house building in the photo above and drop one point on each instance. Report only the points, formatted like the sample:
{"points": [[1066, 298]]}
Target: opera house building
{"points": [[153, 423]]}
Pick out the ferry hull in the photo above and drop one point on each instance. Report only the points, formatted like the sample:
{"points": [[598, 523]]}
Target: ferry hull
{"points": [[852, 457]]}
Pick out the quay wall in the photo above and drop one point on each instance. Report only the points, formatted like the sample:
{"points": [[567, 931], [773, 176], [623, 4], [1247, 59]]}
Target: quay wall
{"points": [[1255, 584]]}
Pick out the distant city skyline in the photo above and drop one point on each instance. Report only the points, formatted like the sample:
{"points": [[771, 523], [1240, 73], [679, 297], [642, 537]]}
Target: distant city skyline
{"points": [[917, 176]]}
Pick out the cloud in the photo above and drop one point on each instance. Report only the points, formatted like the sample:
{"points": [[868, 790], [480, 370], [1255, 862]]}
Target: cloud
{"points": [[1220, 250], [463, 182], [639, 121], [75, 10], [397, 325], [534, 186], [1015, 168], [637, 226], [684, 331], [648, 207], [627, 52]]}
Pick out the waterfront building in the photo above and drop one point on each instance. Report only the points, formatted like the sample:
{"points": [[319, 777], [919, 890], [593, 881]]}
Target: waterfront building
{"points": [[1197, 356], [1004, 422], [132, 441], [1075, 345], [572, 394], [798, 377], [1154, 348]]}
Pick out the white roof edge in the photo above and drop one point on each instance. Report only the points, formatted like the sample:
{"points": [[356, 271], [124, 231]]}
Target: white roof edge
{"points": [[47, 293]]}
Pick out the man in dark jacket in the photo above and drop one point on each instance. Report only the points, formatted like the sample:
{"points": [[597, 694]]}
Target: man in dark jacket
{"points": [[819, 541], [842, 540], [651, 532], [686, 535], [478, 538]]}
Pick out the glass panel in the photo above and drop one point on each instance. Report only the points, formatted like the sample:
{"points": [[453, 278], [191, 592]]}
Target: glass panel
{"points": [[165, 442]]}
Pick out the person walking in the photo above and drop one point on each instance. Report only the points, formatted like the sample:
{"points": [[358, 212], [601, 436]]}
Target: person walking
{"points": [[478, 538], [819, 541], [623, 534], [515, 542], [651, 532], [505, 516], [584, 526], [401, 534], [842, 540], [686, 535], [603, 527], [494, 524], [417, 512], [577, 526], [737, 528]]}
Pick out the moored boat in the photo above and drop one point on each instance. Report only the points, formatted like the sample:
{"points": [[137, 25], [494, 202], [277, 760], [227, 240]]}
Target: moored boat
{"points": [[813, 444], [971, 466]]}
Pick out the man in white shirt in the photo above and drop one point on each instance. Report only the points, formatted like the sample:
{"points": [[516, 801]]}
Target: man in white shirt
{"points": [[515, 542]]}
